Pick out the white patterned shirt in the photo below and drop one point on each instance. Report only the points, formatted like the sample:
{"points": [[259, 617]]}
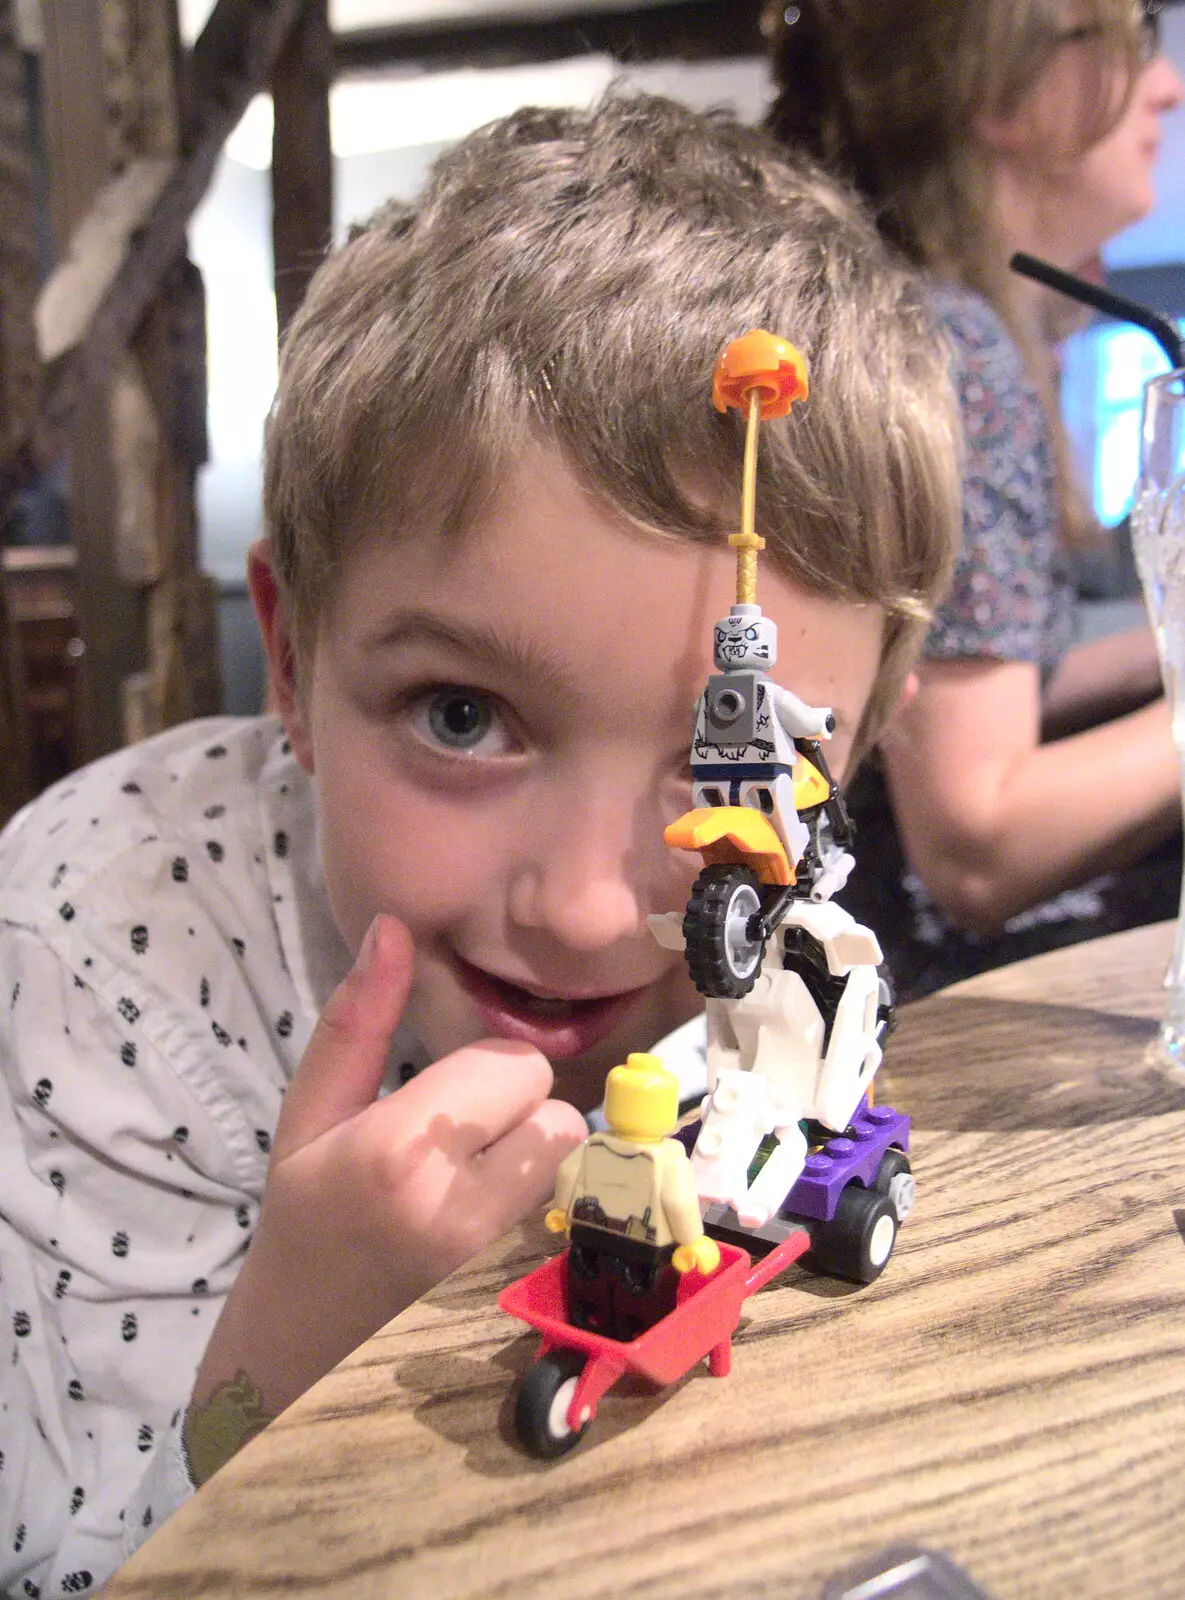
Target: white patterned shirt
{"points": [[165, 949]]}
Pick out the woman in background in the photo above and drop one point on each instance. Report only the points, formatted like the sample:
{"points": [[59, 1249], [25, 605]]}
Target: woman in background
{"points": [[1033, 781]]}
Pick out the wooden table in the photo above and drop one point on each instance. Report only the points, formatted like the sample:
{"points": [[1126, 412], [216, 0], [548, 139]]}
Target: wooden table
{"points": [[1012, 1390]]}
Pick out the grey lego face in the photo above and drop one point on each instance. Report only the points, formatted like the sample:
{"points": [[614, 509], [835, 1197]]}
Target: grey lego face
{"points": [[749, 643]]}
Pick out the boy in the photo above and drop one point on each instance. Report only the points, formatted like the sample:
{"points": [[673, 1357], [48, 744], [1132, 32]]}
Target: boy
{"points": [[497, 500]]}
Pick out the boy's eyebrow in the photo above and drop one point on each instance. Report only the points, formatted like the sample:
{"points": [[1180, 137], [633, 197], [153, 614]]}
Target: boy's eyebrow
{"points": [[483, 643]]}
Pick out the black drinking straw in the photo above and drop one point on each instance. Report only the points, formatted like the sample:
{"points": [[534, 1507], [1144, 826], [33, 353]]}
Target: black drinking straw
{"points": [[1112, 305]]}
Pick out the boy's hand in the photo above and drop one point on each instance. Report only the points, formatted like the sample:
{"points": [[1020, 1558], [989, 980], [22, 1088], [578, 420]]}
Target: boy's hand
{"points": [[369, 1202]]}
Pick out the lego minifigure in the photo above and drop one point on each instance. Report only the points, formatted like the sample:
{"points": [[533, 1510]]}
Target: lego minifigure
{"points": [[797, 1009], [627, 1201]]}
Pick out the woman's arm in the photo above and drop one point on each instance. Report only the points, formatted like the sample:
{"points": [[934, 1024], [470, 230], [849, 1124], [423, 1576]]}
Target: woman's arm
{"points": [[994, 821], [1097, 681]]}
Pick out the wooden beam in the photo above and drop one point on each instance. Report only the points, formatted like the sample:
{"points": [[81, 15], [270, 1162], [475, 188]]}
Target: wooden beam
{"points": [[18, 385], [232, 60], [82, 154], [302, 158], [692, 30]]}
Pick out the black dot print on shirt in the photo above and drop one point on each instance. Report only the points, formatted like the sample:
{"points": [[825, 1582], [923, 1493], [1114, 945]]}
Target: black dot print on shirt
{"points": [[22, 1324], [280, 843], [119, 1244], [18, 1542], [59, 873], [242, 1216], [145, 1437], [180, 1134], [216, 752], [58, 1179], [214, 850], [77, 1582], [16, 994], [139, 938], [263, 1139], [286, 748], [31, 1589], [212, 813], [42, 1091], [132, 787], [200, 1286], [66, 911], [74, 1389], [284, 1024], [146, 1520], [63, 1283], [128, 1010], [204, 991], [77, 1499], [239, 946], [128, 1054], [220, 1034], [129, 1327], [180, 869]]}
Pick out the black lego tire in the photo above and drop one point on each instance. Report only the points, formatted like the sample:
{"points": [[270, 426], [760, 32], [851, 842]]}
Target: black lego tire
{"points": [[540, 1397], [706, 929], [859, 1239]]}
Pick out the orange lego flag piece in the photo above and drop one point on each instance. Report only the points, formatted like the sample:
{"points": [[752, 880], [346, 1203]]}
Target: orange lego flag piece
{"points": [[763, 362]]}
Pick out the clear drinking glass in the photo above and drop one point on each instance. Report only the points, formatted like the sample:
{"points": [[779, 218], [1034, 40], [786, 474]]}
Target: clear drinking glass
{"points": [[1158, 537]]}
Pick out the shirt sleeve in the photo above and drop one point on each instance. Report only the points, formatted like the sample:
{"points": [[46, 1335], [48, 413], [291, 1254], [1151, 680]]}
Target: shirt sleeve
{"points": [[121, 1230], [1011, 597], [680, 1202]]}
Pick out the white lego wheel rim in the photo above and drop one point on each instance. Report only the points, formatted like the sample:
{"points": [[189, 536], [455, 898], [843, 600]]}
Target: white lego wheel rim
{"points": [[903, 1191], [880, 1244], [557, 1415], [743, 953]]}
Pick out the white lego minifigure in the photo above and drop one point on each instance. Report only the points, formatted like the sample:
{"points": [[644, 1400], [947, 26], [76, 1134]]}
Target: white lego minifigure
{"points": [[796, 1010], [744, 752]]}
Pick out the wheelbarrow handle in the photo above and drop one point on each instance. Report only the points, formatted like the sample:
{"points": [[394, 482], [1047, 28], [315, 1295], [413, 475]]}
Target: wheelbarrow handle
{"points": [[779, 1258]]}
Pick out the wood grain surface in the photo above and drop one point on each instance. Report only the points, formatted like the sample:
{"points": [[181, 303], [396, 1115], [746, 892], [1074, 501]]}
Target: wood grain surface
{"points": [[1012, 1390]]}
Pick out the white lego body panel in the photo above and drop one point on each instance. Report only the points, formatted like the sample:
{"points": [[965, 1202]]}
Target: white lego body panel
{"points": [[768, 1068]]}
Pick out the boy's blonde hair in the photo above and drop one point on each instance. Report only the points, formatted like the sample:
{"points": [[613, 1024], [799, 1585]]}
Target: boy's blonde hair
{"points": [[574, 277]]}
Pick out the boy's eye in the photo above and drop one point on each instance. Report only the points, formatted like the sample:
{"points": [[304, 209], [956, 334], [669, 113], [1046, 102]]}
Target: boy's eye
{"points": [[462, 720]]}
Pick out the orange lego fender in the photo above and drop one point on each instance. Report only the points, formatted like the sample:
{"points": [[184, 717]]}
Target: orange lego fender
{"points": [[730, 835]]}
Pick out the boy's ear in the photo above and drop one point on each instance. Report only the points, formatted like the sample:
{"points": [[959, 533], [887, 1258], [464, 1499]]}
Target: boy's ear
{"points": [[283, 694]]}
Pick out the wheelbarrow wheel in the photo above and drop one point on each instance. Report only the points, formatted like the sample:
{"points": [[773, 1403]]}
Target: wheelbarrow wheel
{"points": [[723, 957], [541, 1411]]}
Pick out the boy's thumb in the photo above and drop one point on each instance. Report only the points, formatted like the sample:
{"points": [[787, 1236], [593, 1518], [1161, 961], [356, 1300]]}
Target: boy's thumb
{"points": [[342, 1068]]}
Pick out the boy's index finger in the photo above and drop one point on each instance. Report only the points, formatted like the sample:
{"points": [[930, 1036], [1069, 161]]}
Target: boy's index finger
{"points": [[344, 1062]]}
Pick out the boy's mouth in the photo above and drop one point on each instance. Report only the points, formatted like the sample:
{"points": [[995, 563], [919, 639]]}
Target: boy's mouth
{"points": [[556, 1025]]}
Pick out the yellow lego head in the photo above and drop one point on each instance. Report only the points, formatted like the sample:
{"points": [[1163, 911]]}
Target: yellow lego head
{"points": [[641, 1099]]}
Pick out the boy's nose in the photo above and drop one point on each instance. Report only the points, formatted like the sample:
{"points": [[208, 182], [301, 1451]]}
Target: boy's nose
{"points": [[580, 890]]}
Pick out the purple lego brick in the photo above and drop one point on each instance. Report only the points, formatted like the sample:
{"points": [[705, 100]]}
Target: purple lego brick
{"points": [[852, 1156]]}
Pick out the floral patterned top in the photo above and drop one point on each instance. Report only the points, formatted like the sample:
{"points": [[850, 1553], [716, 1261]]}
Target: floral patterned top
{"points": [[1012, 596], [1012, 599]]}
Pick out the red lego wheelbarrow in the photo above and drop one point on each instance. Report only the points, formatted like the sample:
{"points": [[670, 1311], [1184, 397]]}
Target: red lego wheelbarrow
{"points": [[575, 1367]]}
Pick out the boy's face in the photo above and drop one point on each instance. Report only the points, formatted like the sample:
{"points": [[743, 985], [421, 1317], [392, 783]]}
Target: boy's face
{"points": [[499, 726]]}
